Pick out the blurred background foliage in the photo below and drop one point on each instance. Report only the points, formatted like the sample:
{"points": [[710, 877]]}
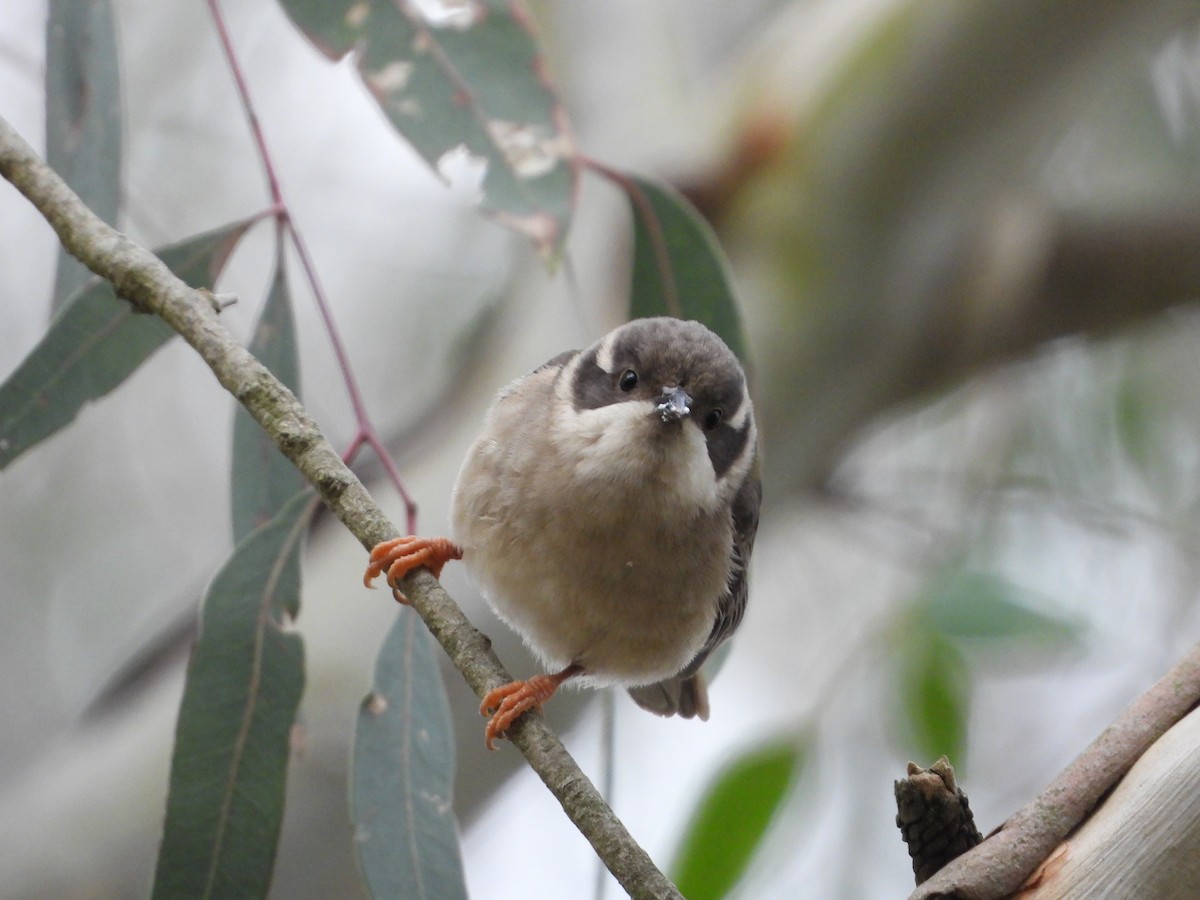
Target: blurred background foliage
{"points": [[965, 239]]}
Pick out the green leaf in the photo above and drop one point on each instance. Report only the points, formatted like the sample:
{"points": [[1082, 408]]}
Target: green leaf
{"points": [[934, 688], [83, 116], [263, 479], [1137, 410], [732, 817], [94, 343], [972, 604], [679, 268], [474, 79], [239, 705], [403, 777]]}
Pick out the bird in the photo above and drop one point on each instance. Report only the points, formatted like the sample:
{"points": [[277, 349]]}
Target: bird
{"points": [[608, 511]]}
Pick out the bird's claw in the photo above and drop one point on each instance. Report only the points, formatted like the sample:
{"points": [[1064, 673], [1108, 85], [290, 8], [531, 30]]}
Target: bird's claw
{"points": [[509, 702], [400, 556]]}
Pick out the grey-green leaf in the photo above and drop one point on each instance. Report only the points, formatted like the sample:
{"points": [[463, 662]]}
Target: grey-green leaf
{"points": [[473, 80], [731, 819], [934, 689], [94, 343], [263, 479], [679, 268], [403, 778], [970, 604], [233, 739], [83, 116]]}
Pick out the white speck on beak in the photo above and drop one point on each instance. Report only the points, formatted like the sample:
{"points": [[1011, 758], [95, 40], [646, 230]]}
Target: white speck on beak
{"points": [[674, 405]]}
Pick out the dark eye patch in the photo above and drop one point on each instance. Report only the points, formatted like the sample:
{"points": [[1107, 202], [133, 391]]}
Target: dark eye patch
{"points": [[726, 444], [593, 387]]}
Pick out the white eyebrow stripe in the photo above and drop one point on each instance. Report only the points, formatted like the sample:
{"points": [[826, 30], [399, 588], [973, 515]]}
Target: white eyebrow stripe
{"points": [[738, 417], [604, 353]]}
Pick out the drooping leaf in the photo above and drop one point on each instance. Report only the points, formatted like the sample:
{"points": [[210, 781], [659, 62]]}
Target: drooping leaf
{"points": [[94, 343], [732, 817], [1137, 409], [403, 778], [233, 737], [679, 268], [934, 686], [83, 116], [470, 78], [973, 604], [263, 479]]}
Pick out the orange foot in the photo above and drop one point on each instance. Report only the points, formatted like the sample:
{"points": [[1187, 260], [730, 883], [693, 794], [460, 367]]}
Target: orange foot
{"points": [[400, 556], [511, 701]]}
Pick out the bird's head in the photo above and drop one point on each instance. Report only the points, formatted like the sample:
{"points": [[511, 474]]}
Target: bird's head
{"points": [[663, 400]]}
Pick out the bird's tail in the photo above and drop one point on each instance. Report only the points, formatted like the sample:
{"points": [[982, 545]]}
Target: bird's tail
{"points": [[679, 696]]}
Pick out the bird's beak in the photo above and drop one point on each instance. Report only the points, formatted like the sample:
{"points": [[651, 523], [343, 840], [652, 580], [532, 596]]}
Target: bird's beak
{"points": [[674, 405]]}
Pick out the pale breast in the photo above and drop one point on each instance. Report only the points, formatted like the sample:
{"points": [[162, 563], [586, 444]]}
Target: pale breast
{"points": [[589, 570]]}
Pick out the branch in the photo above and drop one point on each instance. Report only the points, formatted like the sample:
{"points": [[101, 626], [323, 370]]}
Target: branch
{"points": [[141, 278], [1021, 274], [1033, 274], [999, 866], [1142, 841]]}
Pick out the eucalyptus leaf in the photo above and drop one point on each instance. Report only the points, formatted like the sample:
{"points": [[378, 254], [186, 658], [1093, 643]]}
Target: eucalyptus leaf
{"points": [[83, 116], [979, 605], [263, 479], [934, 688], [94, 343], [234, 734], [732, 817], [679, 268], [403, 778], [469, 82]]}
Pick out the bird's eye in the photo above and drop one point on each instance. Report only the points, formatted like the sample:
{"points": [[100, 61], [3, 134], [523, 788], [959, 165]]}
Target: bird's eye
{"points": [[628, 380], [713, 419]]}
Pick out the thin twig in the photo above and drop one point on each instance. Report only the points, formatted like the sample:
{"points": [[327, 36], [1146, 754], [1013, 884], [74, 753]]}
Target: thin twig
{"points": [[142, 279], [366, 433], [243, 89]]}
